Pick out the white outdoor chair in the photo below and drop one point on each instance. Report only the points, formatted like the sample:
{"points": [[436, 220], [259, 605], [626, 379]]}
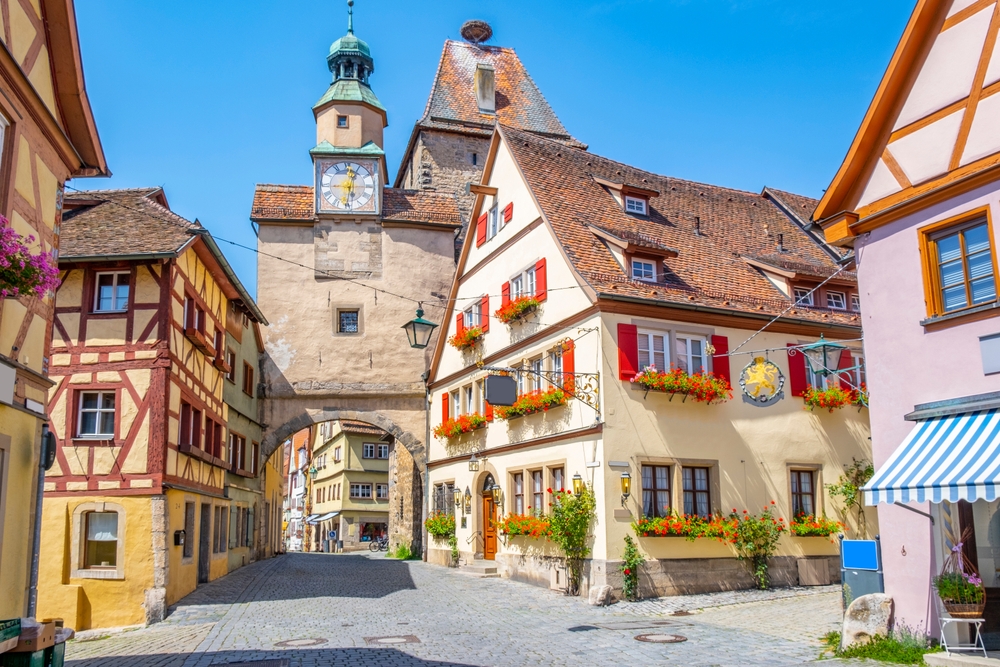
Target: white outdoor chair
{"points": [[945, 619]]}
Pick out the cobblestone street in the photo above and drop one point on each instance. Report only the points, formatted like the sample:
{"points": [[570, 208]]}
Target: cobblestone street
{"points": [[314, 609]]}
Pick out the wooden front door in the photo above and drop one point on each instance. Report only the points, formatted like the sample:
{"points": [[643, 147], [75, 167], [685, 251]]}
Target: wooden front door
{"points": [[489, 527]]}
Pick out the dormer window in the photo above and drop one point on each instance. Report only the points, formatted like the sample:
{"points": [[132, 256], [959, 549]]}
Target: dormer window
{"points": [[803, 296], [643, 270], [635, 205]]}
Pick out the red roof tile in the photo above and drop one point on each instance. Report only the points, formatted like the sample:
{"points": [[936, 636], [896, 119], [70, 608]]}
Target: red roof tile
{"points": [[283, 202], [295, 203]]}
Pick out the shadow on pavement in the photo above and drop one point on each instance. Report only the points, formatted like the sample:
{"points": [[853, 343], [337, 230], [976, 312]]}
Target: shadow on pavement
{"points": [[332, 657], [300, 576]]}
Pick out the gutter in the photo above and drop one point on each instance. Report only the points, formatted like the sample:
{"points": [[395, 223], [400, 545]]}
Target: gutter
{"points": [[108, 258]]}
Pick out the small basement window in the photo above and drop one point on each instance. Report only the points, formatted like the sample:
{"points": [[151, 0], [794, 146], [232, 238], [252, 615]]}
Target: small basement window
{"points": [[635, 205]]}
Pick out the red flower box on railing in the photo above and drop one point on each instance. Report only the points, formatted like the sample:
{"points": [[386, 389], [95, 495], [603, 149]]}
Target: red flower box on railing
{"points": [[834, 397], [517, 308], [809, 525], [529, 404], [459, 425], [466, 339], [702, 387], [527, 525]]}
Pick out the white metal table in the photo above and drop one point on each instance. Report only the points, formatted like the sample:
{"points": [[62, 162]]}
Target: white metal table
{"points": [[945, 619]]}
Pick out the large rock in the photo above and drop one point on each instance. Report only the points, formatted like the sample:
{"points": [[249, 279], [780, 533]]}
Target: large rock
{"points": [[867, 616], [600, 595]]}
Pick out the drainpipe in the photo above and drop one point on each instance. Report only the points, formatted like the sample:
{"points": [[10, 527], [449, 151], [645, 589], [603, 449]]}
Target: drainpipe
{"points": [[36, 543], [427, 471]]}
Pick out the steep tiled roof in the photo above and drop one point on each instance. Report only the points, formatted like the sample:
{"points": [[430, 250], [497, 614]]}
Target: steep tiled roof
{"points": [[351, 426], [282, 202], [711, 227], [519, 102], [295, 203], [121, 222], [802, 207]]}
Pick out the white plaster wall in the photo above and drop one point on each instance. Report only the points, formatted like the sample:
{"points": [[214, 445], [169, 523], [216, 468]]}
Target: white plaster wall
{"points": [[881, 184], [926, 153], [984, 135]]}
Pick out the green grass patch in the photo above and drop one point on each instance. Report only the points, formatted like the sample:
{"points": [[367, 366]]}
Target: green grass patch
{"points": [[402, 552], [902, 647]]}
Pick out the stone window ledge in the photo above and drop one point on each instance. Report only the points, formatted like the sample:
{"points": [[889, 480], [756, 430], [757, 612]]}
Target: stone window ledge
{"points": [[116, 574]]}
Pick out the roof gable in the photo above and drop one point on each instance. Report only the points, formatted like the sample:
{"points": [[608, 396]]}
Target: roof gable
{"points": [[932, 123]]}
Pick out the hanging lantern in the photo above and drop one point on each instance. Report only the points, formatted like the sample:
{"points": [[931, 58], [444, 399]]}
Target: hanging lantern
{"points": [[577, 484], [473, 463], [823, 357], [419, 330]]}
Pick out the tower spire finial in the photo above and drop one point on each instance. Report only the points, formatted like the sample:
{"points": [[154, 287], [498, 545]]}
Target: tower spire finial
{"points": [[350, 17]]}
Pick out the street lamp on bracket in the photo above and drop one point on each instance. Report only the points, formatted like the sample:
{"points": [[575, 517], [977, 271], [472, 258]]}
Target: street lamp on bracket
{"points": [[823, 356], [419, 330]]}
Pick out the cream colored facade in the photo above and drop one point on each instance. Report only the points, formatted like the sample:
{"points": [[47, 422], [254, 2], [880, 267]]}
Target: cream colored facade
{"points": [[749, 451]]}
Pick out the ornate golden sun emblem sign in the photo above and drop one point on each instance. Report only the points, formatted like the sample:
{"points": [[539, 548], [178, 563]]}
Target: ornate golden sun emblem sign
{"points": [[761, 381]]}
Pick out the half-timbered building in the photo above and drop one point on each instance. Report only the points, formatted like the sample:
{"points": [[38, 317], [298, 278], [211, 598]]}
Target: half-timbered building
{"points": [[136, 511], [584, 275]]}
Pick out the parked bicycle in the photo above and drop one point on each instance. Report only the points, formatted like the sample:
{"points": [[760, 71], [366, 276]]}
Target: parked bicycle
{"points": [[379, 544]]}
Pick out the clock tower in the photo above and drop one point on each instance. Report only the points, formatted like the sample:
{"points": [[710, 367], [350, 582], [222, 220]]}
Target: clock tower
{"points": [[348, 161]]}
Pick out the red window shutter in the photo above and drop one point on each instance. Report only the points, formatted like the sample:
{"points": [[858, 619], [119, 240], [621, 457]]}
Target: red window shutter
{"points": [[489, 412], [541, 283], [508, 212], [569, 366], [797, 371], [459, 323], [846, 361], [505, 294], [720, 362], [628, 351], [481, 230], [445, 412], [484, 314]]}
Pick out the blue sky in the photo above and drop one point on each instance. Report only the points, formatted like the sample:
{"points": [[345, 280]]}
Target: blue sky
{"points": [[209, 98]]}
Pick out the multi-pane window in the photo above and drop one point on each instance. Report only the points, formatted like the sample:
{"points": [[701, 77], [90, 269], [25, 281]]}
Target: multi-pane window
{"points": [[803, 493], [361, 490], [856, 303], [557, 479], [964, 263], [556, 366], [468, 399], [535, 366], [652, 350], [342, 121], [194, 315], [816, 380], [101, 549], [493, 221], [455, 404], [523, 284], [803, 296], [111, 293], [635, 205], [655, 490], [689, 354], [470, 317], [858, 374], [231, 361], [696, 493], [836, 300], [97, 414], [368, 450], [336, 454], [382, 491], [537, 493], [347, 321], [642, 270], [383, 451], [518, 493]]}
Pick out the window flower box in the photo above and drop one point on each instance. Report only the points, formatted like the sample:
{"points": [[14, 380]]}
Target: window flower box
{"points": [[809, 525], [833, 398], [455, 427], [517, 309], [527, 525], [200, 341], [529, 404], [674, 525], [466, 339], [222, 365], [702, 387]]}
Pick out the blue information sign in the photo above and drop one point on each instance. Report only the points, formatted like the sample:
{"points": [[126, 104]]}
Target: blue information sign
{"points": [[859, 555]]}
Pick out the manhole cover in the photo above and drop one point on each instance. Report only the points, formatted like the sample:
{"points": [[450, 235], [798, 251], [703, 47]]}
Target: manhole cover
{"points": [[661, 639], [399, 639], [301, 643]]}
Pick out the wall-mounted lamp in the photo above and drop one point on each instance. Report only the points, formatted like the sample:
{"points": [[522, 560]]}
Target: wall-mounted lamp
{"points": [[497, 494], [577, 484], [458, 497], [473, 463], [468, 501], [626, 487]]}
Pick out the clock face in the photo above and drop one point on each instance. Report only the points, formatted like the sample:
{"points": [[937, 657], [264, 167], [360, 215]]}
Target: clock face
{"points": [[346, 186]]}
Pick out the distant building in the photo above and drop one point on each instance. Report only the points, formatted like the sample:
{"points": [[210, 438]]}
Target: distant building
{"points": [[350, 489], [149, 491], [47, 137], [296, 453]]}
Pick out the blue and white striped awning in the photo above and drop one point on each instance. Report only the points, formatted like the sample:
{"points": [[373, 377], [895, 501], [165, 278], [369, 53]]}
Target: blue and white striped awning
{"points": [[945, 458]]}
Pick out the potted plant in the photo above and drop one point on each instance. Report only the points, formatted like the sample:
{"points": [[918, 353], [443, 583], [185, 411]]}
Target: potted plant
{"points": [[22, 273], [516, 309], [960, 587], [702, 387], [529, 404], [810, 525], [466, 339]]}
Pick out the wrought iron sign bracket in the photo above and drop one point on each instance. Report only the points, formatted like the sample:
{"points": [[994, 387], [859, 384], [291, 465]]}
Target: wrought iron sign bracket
{"points": [[586, 386]]}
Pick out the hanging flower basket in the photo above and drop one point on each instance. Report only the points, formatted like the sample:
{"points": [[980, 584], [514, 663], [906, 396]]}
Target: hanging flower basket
{"points": [[466, 339], [22, 273], [517, 309], [702, 387], [529, 404], [959, 585], [453, 428]]}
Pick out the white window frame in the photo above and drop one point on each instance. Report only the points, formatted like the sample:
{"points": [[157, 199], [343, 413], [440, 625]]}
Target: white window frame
{"points": [[493, 223], [480, 402], [804, 296], [535, 379], [368, 447], [843, 300], [361, 488], [687, 338], [381, 491], [99, 411], [856, 303], [523, 283], [336, 454], [115, 284], [635, 205], [468, 399], [383, 448], [470, 316], [455, 404], [858, 375], [642, 265], [556, 366], [650, 349]]}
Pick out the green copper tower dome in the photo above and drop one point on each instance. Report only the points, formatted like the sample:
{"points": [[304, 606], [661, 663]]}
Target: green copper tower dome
{"points": [[351, 63]]}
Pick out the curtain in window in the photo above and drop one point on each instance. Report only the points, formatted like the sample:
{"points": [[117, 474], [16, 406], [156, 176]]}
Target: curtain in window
{"points": [[102, 527], [648, 508]]}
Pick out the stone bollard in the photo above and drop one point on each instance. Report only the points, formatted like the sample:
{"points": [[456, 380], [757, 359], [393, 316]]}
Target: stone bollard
{"points": [[600, 595], [869, 615]]}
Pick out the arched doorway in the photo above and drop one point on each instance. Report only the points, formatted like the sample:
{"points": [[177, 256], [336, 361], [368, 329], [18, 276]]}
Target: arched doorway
{"points": [[489, 518]]}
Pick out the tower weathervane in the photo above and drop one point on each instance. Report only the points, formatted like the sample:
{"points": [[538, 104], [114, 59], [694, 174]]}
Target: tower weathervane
{"points": [[350, 17]]}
